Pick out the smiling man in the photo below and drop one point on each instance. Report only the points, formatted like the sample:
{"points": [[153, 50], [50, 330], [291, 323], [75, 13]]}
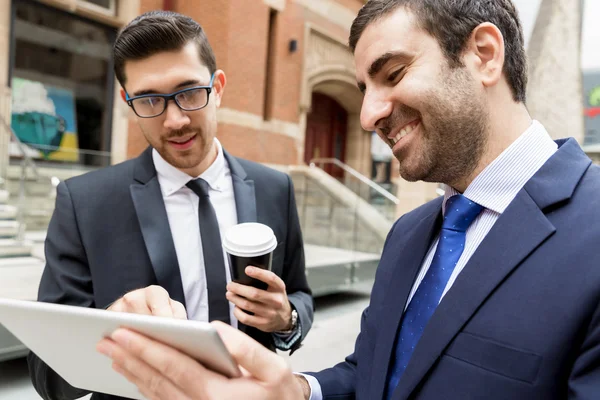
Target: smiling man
{"points": [[489, 292], [144, 236]]}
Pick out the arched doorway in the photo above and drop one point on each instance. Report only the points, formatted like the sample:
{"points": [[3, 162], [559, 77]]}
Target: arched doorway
{"points": [[326, 131]]}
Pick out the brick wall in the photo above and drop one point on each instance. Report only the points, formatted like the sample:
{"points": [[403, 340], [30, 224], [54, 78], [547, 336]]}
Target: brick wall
{"points": [[238, 31]]}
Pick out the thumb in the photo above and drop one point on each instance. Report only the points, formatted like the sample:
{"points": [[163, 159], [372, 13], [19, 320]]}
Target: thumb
{"points": [[261, 363]]}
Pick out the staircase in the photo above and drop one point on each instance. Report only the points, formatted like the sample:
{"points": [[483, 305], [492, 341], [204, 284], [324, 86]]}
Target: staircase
{"points": [[19, 270]]}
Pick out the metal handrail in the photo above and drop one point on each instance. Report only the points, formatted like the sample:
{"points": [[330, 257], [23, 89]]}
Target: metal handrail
{"points": [[70, 150], [357, 175]]}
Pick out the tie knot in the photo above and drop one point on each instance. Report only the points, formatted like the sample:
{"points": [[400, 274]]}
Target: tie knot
{"points": [[460, 213], [199, 186]]}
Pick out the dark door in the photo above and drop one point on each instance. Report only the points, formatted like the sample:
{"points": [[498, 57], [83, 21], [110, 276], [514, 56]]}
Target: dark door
{"points": [[326, 132]]}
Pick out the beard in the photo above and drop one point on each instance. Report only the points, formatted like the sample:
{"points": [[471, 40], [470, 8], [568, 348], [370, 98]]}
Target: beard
{"points": [[187, 159], [453, 132]]}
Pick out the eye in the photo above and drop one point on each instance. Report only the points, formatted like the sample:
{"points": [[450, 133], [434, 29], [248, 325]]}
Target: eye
{"points": [[392, 77]]}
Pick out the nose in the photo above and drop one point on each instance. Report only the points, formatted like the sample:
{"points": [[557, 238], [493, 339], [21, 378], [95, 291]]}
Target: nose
{"points": [[375, 109], [175, 118]]}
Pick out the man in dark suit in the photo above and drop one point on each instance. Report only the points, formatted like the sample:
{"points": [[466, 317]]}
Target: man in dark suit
{"points": [[144, 236], [489, 292]]}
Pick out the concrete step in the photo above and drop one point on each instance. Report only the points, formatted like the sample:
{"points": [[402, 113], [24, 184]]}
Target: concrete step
{"points": [[331, 270], [4, 196], [35, 236], [13, 248], [20, 262], [20, 278], [8, 211], [9, 228]]}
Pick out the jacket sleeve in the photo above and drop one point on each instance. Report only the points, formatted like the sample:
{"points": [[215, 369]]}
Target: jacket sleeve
{"points": [[584, 382], [66, 280], [294, 272]]}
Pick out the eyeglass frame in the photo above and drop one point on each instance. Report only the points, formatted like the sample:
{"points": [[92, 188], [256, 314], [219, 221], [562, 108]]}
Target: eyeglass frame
{"points": [[171, 96]]}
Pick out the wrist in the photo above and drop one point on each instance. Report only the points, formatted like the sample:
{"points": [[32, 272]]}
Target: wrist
{"points": [[291, 323], [304, 386]]}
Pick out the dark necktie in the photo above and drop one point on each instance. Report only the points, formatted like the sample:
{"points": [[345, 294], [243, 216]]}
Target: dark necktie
{"points": [[214, 264], [460, 212]]}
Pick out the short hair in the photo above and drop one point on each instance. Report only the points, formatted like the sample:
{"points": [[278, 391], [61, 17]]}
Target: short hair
{"points": [[451, 23], [157, 31]]}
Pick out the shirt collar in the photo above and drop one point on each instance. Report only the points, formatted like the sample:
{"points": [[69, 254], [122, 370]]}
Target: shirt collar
{"points": [[172, 179], [500, 182]]}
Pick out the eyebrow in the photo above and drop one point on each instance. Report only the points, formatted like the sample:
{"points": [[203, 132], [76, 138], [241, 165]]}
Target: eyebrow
{"points": [[381, 61], [180, 85]]}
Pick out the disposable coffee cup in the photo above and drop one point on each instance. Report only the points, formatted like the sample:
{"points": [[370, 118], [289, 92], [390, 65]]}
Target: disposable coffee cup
{"points": [[249, 244]]}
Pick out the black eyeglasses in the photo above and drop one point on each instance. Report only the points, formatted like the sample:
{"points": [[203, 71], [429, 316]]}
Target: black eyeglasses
{"points": [[153, 105]]}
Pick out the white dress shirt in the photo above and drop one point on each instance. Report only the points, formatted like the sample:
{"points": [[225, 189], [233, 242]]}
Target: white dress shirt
{"points": [[494, 189], [182, 211]]}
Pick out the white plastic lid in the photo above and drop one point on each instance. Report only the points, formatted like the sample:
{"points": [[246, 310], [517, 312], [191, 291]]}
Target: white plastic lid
{"points": [[249, 239]]}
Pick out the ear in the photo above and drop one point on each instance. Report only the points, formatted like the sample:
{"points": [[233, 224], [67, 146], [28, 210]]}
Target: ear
{"points": [[123, 95], [219, 86], [485, 53]]}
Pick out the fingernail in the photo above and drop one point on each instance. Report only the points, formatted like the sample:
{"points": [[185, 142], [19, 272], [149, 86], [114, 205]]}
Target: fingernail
{"points": [[249, 270], [122, 337]]}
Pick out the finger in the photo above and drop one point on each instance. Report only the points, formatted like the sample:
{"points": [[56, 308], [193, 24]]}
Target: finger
{"points": [[261, 363], [135, 302], [249, 292], [268, 277], [148, 380], [178, 309], [245, 304], [256, 321], [187, 374], [158, 301]]}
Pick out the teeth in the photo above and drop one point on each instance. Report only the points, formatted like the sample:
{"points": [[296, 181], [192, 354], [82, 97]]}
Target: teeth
{"points": [[404, 132]]}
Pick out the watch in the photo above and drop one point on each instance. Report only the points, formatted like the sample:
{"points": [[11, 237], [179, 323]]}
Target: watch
{"points": [[294, 324]]}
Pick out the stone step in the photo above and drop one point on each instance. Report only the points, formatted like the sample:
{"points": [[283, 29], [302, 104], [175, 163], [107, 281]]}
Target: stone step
{"points": [[35, 236], [4, 196], [14, 248], [331, 270], [20, 278], [8, 211], [9, 228], [20, 262]]}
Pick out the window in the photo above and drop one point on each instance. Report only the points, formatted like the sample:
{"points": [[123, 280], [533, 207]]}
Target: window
{"points": [[62, 85], [104, 6], [270, 66]]}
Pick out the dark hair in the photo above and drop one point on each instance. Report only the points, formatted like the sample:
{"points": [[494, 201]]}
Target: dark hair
{"points": [[451, 24], [158, 31]]}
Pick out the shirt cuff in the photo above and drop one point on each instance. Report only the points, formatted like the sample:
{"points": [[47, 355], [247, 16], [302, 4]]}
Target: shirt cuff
{"points": [[315, 387], [285, 342]]}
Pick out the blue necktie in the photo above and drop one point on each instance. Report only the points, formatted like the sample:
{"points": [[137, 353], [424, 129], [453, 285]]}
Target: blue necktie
{"points": [[460, 212]]}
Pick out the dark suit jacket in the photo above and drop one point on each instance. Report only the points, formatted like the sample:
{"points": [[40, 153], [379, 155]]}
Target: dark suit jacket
{"points": [[521, 322], [110, 235]]}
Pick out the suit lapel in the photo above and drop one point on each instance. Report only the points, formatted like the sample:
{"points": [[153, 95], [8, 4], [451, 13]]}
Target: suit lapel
{"points": [[243, 190], [405, 260], [516, 234], [245, 199], [152, 216], [521, 229]]}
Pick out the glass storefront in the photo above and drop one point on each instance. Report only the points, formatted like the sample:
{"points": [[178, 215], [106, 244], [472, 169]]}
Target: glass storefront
{"points": [[62, 85]]}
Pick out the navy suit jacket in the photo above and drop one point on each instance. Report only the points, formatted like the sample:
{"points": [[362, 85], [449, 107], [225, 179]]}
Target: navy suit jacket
{"points": [[110, 235], [522, 320]]}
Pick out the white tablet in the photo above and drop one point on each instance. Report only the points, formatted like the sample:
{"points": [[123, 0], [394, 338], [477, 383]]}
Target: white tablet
{"points": [[65, 338]]}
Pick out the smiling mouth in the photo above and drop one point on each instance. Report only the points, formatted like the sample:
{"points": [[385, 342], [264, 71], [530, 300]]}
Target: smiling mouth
{"points": [[408, 128], [183, 140]]}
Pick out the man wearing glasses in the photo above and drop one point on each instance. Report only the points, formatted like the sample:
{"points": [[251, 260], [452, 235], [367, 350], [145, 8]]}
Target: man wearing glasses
{"points": [[144, 236]]}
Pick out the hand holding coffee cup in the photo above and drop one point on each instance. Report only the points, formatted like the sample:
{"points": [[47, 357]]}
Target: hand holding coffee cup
{"points": [[258, 294]]}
